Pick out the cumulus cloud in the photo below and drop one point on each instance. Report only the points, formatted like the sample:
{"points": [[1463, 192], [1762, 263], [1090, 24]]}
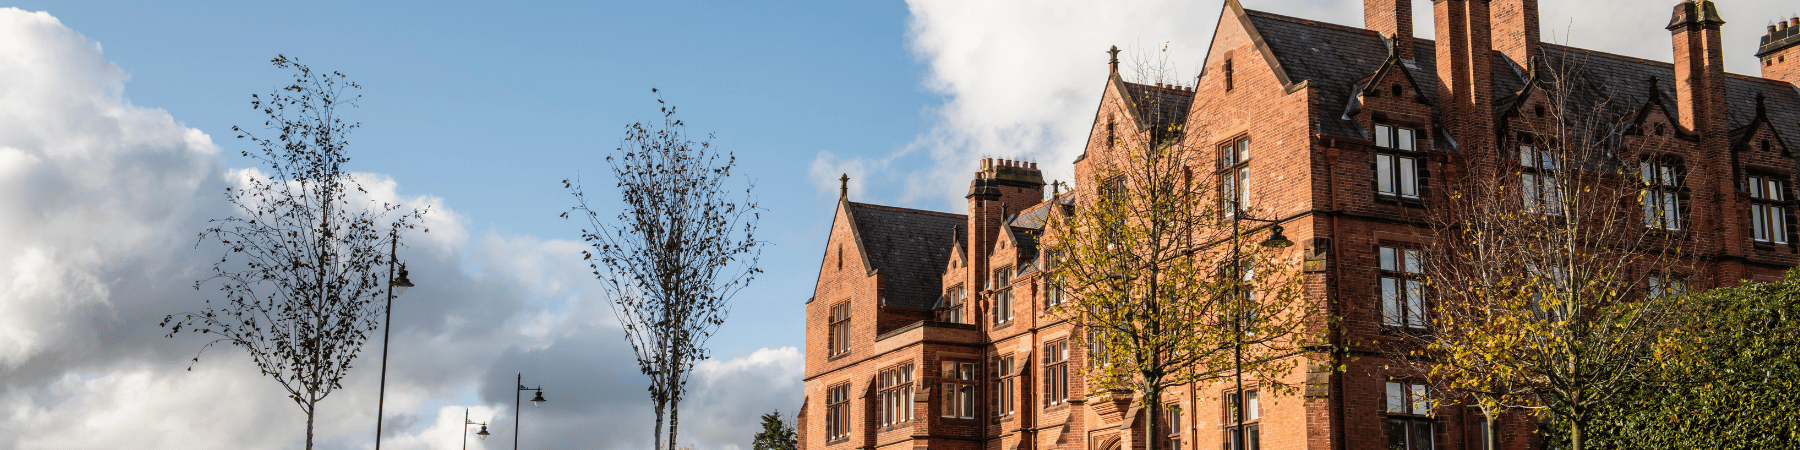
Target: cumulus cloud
{"points": [[101, 202], [1022, 79]]}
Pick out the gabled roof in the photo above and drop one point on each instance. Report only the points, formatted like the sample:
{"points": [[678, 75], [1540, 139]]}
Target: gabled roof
{"points": [[1628, 80], [1329, 57], [1740, 137], [909, 247], [1334, 58]]}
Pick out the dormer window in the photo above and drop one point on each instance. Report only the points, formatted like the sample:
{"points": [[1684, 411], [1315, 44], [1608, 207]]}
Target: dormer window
{"points": [[1396, 164], [1768, 210], [1542, 193], [1661, 194], [1002, 297], [953, 304]]}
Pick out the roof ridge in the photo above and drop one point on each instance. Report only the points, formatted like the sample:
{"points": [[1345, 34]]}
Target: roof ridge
{"points": [[1311, 22], [1162, 89], [1608, 54], [1629, 58], [909, 210]]}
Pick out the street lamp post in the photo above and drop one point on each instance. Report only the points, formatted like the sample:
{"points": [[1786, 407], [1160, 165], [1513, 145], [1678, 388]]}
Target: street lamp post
{"points": [[536, 401], [483, 434], [396, 286], [1275, 240]]}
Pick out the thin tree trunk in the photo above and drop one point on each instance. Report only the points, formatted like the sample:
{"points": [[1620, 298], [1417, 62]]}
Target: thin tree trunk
{"points": [[1575, 430], [656, 434], [1154, 395], [310, 412], [674, 405], [1491, 438], [674, 421]]}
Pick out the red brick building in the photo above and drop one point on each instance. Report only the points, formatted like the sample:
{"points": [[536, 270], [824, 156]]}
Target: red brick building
{"points": [[927, 329]]}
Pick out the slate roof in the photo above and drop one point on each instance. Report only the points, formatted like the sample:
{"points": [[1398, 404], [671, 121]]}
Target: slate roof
{"points": [[909, 247], [1628, 79], [1334, 58], [1160, 106], [1035, 217]]}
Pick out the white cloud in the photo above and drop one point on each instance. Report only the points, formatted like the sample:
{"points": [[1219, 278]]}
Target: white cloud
{"points": [[103, 203], [1022, 78]]}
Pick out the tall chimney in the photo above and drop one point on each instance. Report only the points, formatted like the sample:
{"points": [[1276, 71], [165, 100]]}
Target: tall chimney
{"points": [[1516, 30], [1700, 70], [1465, 71], [1782, 41], [1394, 20]]}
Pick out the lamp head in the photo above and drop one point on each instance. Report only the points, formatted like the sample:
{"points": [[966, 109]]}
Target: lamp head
{"points": [[538, 400], [400, 284], [1276, 240], [483, 434]]}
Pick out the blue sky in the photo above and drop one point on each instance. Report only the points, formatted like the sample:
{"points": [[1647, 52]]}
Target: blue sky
{"points": [[490, 106], [115, 144]]}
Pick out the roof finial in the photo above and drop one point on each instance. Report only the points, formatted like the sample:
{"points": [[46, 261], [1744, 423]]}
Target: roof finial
{"points": [[1655, 90], [844, 186], [1762, 111], [1114, 62]]}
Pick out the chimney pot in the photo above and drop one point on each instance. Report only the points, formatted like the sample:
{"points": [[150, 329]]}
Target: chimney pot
{"points": [[1794, 22], [1772, 27]]}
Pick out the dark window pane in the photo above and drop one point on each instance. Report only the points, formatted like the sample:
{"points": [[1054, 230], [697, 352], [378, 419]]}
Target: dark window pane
{"points": [[1396, 434], [1421, 435]]}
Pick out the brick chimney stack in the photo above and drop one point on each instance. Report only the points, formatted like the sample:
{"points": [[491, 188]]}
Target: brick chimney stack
{"points": [[1000, 187], [1777, 46], [1394, 20], [1700, 70], [1516, 30], [1465, 53]]}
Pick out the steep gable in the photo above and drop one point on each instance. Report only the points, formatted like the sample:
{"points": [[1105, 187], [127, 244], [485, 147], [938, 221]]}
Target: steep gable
{"points": [[909, 248]]}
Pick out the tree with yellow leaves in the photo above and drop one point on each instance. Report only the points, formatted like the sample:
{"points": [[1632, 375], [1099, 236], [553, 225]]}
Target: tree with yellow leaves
{"points": [[1146, 264], [1556, 261]]}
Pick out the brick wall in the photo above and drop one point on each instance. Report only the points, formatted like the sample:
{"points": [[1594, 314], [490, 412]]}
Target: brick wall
{"points": [[1323, 188]]}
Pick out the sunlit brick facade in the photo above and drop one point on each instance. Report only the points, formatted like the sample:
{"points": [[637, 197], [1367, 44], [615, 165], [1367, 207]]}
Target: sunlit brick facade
{"points": [[927, 329]]}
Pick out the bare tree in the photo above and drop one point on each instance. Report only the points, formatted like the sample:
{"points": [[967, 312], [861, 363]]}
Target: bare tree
{"points": [[1557, 258], [1154, 271], [681, 248], [303, 279]]}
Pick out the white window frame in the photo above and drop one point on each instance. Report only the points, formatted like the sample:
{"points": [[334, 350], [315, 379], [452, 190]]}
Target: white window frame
{"points": [[1661, 197], [1002, 296], [1396, 173], [1768, 210], [954, 298], [1408, 408], [1056, 373], [1402, 287], [1234, 175], [959, 391], [896, 387], [1538, 181]]}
